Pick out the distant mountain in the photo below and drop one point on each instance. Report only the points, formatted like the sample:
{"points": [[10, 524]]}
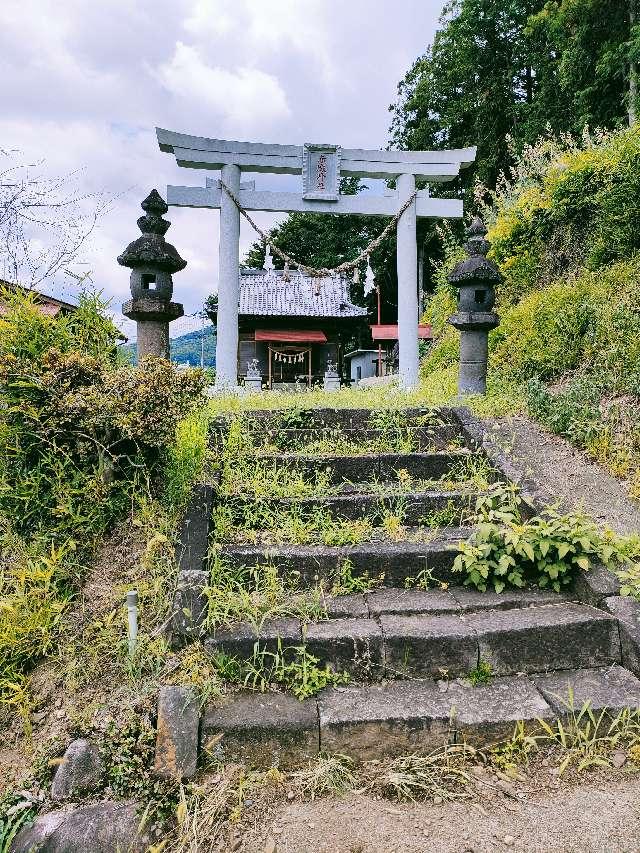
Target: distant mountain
{"points": [[186, 349]]}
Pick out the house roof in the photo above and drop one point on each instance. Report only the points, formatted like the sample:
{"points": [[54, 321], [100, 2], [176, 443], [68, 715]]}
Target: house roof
{"points": [[47, 305], [264, 293]]}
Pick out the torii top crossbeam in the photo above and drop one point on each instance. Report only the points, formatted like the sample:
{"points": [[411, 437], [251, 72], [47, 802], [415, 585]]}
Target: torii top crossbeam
{"points": [[321, 167]]}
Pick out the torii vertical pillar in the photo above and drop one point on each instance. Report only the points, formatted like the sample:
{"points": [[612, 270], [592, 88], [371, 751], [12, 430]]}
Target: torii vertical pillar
{"points": [[407, 265], [229, 283]]}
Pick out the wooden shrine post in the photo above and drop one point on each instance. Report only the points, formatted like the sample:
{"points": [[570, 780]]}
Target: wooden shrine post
{"points": [[321, 167]]}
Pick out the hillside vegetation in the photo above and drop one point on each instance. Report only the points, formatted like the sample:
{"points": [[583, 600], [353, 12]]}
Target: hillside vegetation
{"points": [[85, 442], [564, 232]]}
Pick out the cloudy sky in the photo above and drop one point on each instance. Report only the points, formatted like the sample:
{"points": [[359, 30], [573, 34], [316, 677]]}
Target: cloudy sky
{"points": [[85, 83]]}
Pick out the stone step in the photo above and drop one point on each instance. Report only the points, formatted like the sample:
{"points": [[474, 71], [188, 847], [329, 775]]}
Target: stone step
{"points": [[401, 717], [383, 467], [327, 418], [413, 508], [424, 645], [438, 437], [397, 561], [435, 602]]}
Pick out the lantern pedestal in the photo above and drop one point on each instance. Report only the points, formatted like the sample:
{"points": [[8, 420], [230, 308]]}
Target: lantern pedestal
{"points": [[474, 328], [152, 325]]}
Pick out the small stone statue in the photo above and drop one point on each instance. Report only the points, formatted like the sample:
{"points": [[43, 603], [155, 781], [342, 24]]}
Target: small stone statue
{"points": [[332, 368], [331, 380], [253, 378], [252, 369]]}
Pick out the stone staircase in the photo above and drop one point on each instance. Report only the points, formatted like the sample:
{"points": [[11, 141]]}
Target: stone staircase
{"points": [[410, 652]]}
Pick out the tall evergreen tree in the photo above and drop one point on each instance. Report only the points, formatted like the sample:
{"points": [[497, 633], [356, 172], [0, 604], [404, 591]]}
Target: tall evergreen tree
{"points": [[513, 68], [473, 86]]}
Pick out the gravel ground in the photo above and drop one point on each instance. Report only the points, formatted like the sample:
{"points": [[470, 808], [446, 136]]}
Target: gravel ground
{"points": [[592, 817], [565, 473]]}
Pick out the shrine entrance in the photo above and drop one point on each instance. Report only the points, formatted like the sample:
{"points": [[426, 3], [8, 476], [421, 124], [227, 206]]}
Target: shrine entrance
{"points": [[321, 167], [289, 366]]}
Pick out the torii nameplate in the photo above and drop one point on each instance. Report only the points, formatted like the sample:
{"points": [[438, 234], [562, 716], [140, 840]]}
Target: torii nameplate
{"points": [[321, 172]]}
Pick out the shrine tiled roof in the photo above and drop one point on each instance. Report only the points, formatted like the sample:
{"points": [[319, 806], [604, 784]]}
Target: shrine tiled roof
{"points": [[264, 293]]}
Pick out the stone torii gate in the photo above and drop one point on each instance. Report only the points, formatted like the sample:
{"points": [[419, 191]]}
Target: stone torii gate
{"points": [[321, 167]]}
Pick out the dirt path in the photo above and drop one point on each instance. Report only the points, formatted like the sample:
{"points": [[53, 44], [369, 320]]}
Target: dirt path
{"points": [[592, 817], [566, 473]]}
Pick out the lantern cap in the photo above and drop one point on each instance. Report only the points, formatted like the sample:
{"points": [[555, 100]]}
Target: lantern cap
{"points": [[476, 268], [152, 250]]}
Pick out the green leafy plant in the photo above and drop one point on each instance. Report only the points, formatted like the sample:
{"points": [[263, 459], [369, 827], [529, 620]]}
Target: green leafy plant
{"points": [[346, 583], [546, 550]]}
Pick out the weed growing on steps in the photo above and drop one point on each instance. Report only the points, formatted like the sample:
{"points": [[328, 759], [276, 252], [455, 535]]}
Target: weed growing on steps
{"points": [[346, 583], [424, 580], [264, 478], [388, 431], [474, 470], [261, 521], [482, 674], [391, 518], [253, 593], [292, 668], [546, 550], [449, 516]]}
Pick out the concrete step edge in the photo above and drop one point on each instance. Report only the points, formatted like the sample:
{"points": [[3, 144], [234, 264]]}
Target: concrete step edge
{"points": [[375, 721]]}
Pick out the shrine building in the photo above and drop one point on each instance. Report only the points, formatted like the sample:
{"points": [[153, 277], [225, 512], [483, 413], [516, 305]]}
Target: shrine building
{"points": [[294, 328]]}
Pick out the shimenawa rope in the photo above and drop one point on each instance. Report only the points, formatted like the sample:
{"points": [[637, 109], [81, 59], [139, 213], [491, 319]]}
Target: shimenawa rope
{"points": [[320, 272]]}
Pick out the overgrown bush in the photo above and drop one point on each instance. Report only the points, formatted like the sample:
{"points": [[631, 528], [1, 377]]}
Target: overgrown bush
{"points": [[79, 431]]}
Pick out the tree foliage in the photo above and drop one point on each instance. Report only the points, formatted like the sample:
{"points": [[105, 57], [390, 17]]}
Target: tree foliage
{"points": [[512, 69]]}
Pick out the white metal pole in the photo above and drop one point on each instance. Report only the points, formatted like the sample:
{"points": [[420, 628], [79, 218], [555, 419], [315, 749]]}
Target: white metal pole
{"points": [[229, 286], [407, 264], [132, 618]]}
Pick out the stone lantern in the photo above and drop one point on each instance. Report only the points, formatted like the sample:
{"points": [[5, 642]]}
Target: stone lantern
{"points": [[475, 278], [152, 261]]}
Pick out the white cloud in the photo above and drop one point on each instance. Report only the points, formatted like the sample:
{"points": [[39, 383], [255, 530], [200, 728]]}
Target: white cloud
{"points": [[84, 85], [243, 97], [264, 29]]}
